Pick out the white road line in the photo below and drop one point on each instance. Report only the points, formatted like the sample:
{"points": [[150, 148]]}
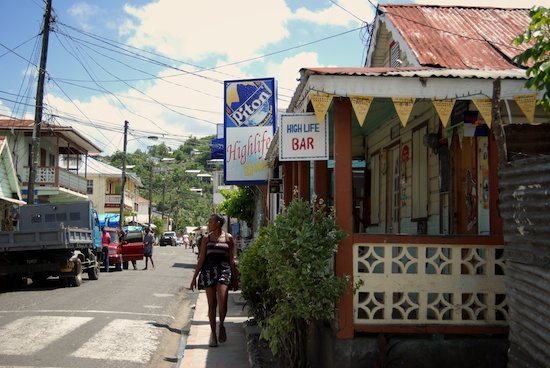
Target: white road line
{"points": [[86, 311], [122, 339], [28, 335]]}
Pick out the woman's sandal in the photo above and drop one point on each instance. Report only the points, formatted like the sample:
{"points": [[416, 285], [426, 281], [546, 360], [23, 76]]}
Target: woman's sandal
{"points": [[213, 342], [223, 335]]}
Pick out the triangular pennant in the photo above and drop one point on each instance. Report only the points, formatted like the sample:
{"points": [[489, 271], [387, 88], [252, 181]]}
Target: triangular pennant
{"points": [[321, 103], [527, 104], [484, 105], [444, 109], [361, 105], [403, 106]]}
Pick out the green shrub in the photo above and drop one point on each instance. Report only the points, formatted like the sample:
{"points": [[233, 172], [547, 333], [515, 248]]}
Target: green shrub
{"points": [[288, 276]]}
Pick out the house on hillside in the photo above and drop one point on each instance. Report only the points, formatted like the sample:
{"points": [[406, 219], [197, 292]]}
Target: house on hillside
{"points": [[416, 141], [104, 189], [61, 174]]}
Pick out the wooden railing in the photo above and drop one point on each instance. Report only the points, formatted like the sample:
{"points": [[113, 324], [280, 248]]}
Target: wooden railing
{"points": [[113, 200], [435, 287], [54, 176]]}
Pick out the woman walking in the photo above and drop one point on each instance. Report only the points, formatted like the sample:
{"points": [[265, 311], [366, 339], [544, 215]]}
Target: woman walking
{"points": [[148, 242], [216, 265]]}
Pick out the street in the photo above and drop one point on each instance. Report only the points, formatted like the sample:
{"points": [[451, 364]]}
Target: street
{"points": [[130, 318]]}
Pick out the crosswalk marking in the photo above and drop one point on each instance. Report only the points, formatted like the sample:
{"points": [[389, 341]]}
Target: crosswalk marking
{"points": [[27, 335], [122, 339]]}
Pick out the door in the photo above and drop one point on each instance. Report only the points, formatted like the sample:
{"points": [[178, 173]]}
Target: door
{"points": [[394, 190], [464, 214], [132, 246]]}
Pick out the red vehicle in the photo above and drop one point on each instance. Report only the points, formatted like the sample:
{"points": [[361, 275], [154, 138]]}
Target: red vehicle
{"points": [[123, 249], [132, 246]]}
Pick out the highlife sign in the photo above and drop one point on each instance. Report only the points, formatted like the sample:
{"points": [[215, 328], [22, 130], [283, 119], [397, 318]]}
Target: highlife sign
{"points": [[249, 123], [302, 138]]}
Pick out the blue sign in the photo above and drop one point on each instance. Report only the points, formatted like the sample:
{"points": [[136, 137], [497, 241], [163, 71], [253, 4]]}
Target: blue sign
{"points": [[249, 125]]}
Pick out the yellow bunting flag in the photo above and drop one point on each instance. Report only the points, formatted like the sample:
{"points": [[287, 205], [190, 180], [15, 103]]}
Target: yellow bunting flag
{"points": [[403, 106], [361, 105], [484, 105], [444, 109], [321, 103], [527, 104]]}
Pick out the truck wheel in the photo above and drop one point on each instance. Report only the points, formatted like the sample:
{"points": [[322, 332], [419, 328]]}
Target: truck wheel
{"points": [[76, 280], [93, 272]]}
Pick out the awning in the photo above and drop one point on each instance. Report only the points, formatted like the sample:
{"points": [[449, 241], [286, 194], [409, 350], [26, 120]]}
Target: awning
{"points": [[12, 200]]}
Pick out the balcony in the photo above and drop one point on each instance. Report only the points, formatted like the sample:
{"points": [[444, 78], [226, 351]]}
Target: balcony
{"points": [[431, 286], [113, 200], [56, 177]]}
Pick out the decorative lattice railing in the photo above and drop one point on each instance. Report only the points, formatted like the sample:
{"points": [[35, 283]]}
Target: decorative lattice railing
{"points": [[432, 284]]}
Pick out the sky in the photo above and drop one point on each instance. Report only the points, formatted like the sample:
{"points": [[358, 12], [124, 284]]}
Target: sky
{"points": [[161, 65]]}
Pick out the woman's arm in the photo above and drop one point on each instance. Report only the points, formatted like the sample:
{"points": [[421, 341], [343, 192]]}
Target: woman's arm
{"points": [[234, 273], [202, 256]]}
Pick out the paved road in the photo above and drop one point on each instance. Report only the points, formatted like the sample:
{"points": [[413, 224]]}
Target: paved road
{"points": [[132, 318]]}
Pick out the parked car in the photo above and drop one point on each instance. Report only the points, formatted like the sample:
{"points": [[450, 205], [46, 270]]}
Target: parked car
{"points": [[115, 249], [168, 238], [123, 249], [179, 241]]}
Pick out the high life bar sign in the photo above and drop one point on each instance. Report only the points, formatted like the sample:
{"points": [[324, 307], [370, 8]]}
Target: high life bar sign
{"points": [[249, 126], [302, 138]]}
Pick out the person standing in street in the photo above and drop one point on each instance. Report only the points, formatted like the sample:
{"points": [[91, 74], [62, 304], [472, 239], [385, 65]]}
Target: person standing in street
{"points": [[216, 265], [148, 242], [105, 240]]}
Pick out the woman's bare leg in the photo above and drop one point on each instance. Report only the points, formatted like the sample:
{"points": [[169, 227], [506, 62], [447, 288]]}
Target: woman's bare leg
{"points": [[212, 304], [222, 291]]}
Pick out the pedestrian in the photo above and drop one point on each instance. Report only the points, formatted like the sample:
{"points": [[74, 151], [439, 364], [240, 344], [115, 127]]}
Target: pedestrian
{"points": [[105, 240], [148, 242], [186, 240], [216, 265]]}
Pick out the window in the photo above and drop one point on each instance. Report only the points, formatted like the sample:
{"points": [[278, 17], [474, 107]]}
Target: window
{"points": [[90, 186], [394, 55]]}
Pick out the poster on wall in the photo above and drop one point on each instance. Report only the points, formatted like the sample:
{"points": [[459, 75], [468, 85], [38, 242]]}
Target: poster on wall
{"points": [[249, 125]]}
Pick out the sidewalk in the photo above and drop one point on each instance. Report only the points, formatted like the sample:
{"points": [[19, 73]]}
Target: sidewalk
{"points": [[232, 353]]}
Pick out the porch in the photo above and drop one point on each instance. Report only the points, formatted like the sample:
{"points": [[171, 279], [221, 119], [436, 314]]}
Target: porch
{"points": [[429, 284], [113, 200], [56, 177]]}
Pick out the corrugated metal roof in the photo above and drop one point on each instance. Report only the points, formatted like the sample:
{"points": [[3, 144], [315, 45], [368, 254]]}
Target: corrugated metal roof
{"points": [[69, 133], [96, 167], [459, 37], [422, 72]]}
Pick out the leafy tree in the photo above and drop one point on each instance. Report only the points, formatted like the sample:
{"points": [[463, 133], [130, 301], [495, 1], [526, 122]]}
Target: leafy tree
{"points": [[238, 203], [171, 185], [538, 71]]}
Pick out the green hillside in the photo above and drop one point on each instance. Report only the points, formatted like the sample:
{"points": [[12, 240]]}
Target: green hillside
{"points": [[175, 185]]}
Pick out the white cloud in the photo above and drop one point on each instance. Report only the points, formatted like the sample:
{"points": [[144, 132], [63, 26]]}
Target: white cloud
{"points": [[347, 13], [233, 30], [84, 13]]}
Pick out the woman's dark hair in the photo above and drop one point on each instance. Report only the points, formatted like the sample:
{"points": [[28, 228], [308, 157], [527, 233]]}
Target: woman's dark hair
{"points": [[219, 217]]}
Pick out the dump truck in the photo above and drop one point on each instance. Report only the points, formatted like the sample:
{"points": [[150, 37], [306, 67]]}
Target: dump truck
{"points": [[52, 240]]}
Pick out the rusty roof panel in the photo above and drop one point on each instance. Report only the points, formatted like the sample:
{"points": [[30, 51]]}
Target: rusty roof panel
{"points": [[459, 37]]}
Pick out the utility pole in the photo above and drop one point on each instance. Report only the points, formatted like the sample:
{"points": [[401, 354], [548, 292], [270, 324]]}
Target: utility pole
{"points": [[151, 193], [35, 146], [121, 219]]}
